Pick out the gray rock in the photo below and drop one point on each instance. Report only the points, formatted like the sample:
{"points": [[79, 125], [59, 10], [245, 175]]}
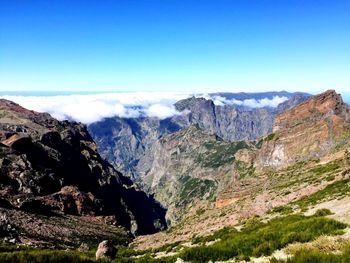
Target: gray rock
{"points": [[106, 250]]}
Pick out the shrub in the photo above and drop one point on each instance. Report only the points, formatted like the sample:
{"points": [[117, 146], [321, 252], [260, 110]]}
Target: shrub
{"points": [[263, 238], [323, 212], [41, 256]]}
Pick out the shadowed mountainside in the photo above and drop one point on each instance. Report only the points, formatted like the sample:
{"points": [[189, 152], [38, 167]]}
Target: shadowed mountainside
{"points": [[50, 167]]}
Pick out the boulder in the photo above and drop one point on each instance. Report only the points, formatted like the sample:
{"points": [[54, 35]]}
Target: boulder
{"points": [[106, 250]]}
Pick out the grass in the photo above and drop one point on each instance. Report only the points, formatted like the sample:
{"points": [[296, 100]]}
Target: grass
{"points": [[255, 239], [323, 169], [283, 210], [220, 234], [336, 189], [323, 212], [262, 238], [24, 254], [314, 255], [301, 173]]}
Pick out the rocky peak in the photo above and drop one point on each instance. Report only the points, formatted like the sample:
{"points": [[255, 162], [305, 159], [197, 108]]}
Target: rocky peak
{"points": [[307, 131], [193, 103], [11, 106], [315, 108]]}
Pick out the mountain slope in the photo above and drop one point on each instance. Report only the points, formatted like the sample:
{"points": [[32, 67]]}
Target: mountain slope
{"points": [[307, 131], [187, 168], [302, 163], [124, 141], [50, 167]]}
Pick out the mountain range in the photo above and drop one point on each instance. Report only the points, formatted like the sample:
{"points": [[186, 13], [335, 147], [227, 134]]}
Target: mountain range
{"points": [[124, 141], [215, 181]]}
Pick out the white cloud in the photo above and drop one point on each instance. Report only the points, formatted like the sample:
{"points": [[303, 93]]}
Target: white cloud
{"points": [[94, 107], [266, 102], [250, 103], [161, 111]]}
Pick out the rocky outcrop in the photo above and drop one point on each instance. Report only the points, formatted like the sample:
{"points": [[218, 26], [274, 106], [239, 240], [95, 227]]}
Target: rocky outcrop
{"points": [[227, 121], [106, 250], [7, 231], [48, 166], [307, 131], [190, 167]]}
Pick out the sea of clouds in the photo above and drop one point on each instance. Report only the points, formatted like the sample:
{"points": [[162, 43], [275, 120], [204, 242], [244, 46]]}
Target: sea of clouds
{"points": [[89, 108]]}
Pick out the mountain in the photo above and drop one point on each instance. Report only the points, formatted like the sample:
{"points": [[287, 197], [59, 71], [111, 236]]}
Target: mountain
{"points": [[282, 195], [189, 166], [124, 141], [168, 157], [207, 183], [52, 168], [258, 95], [307, 131]]}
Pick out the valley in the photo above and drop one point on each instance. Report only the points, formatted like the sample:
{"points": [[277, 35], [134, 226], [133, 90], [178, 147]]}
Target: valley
{"points": [[215, 183]]}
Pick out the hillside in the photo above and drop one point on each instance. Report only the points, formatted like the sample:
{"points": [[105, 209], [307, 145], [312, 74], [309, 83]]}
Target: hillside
{"points": [[268, 182], [187, 167], [52, 178]]}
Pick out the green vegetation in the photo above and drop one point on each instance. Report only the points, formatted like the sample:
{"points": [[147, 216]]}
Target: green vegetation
{"points": [[334, 190], [43, 256], [220, 234], [323, 169], [11, 253], [323, 212], [259, 144], [305, 172], [283, 210], [314, 255], [200, 211], [194, 187], [255, 239], [220, 153], [270, 137], [244, 169], [263, 238], [337, 189]]}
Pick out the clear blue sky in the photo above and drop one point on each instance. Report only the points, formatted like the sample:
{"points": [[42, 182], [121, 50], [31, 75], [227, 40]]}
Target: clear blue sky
{"points": [[233, 45]]}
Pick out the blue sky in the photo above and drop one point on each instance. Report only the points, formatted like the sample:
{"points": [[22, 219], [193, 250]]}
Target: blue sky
{"points": [[168, 45]]}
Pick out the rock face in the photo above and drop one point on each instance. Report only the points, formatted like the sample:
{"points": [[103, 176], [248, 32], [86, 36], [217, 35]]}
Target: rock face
{"points": [[187, 168], [106, 250], [227, 122], [307, 131], [7, 230], [124, 142], [48, 166], [188, 158]]}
